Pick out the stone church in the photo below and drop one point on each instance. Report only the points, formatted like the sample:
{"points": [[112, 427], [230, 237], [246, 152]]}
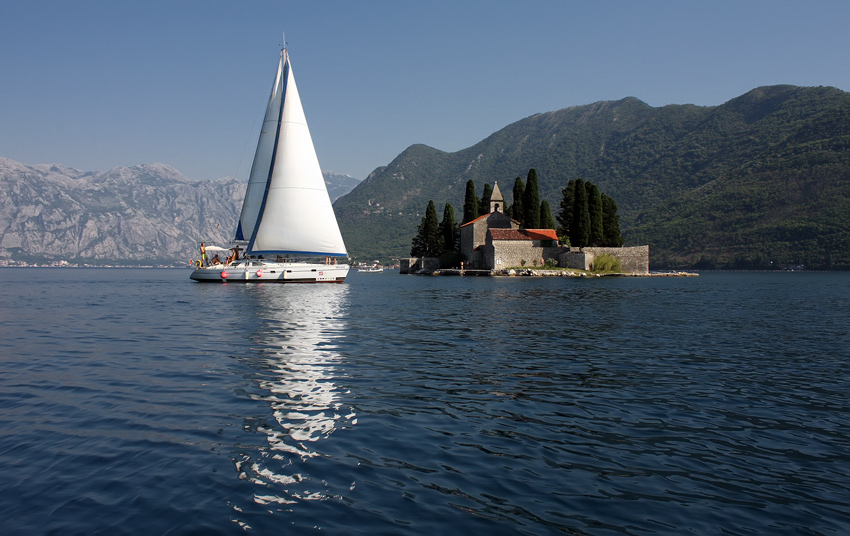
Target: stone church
{"points": [[494, 241]]}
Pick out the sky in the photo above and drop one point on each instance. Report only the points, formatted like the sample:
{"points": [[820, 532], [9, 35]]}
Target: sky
{"points": [[94, 84]]}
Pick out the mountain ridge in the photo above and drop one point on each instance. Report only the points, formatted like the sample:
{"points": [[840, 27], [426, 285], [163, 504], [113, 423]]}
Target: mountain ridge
{"points": [[138, 215], [759, 181], [651, 160]]}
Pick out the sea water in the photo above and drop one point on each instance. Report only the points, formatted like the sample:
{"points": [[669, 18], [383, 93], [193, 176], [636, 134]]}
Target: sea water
{"points": [[134, 401]]}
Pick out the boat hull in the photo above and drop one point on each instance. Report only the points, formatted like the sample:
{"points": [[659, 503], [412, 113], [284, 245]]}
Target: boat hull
{"points": [[272, 272]]}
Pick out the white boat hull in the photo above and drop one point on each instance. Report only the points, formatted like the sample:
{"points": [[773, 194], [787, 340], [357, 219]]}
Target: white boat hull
{"points": [[272, 272]]}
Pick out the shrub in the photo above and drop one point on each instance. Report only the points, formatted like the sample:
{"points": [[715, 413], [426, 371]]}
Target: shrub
{"points": [[606, 263]]}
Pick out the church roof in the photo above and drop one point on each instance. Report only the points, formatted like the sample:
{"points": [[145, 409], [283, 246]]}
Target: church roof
{"points": [[479, 218], [524, 234], [475, 220]]}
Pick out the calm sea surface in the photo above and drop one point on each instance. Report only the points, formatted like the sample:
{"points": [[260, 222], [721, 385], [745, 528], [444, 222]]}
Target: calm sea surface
{"points": [[139, 402]]}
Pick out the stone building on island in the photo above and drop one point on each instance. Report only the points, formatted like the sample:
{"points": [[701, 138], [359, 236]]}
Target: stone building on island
{"points": [[495, 242]]}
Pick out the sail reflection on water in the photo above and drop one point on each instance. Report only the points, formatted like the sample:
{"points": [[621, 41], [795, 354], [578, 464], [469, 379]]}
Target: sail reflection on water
{"points": [[297, 364]]}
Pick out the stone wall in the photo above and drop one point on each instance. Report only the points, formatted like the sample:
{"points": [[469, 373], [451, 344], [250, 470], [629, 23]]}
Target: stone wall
{"points": [[633, 260], [575, 259], [502, 254], [467, 243], [474, 234], [414, 264]]}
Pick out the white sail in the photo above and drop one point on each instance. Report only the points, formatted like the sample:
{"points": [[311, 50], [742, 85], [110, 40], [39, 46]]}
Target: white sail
{"points": [[288, 210], [262, 161]]}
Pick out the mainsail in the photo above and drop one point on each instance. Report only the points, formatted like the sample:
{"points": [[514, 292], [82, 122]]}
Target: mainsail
{"points": [[287, 209]]}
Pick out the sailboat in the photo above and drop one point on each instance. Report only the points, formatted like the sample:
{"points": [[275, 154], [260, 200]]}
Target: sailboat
{"points": [[287, 231]]}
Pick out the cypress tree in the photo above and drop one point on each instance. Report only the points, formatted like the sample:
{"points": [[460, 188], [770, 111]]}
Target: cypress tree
{"points": [[430, 231], [484, 204], [531, 202], [516, 207], [448, 229], [565, 216], [426, 243], [470, 203], [580, 228], [416, 243], [594, 207], [417, 246], [546, 219], [610, 223]]}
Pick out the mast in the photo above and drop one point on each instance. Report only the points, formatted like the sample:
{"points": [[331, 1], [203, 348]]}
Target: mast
{"points": [[290, 211]]}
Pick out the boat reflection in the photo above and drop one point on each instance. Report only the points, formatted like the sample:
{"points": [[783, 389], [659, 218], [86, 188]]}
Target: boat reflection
{"points": [[296, 364]]}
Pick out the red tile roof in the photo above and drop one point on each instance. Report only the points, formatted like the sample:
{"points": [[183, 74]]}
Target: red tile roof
{"points": [[507, 234], [524, 234], [542, 234]]}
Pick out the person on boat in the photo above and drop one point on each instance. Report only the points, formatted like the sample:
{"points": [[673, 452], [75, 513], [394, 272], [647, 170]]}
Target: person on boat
{"points": [[204, 258], [216, 260]]}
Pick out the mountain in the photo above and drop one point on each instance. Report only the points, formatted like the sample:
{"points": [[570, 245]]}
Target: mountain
{"points": [[762, 180], [338, 184], [764, 177], [137, 215]]}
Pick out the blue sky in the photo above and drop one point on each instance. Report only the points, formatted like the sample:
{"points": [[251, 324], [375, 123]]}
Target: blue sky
{"points": [[95, 84]]}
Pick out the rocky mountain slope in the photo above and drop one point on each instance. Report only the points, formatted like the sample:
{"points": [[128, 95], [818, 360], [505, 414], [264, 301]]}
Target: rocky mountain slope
{"points": [[140, 215]]}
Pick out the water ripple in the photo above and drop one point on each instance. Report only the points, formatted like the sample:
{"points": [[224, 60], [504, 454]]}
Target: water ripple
{"points": [[396, 404]]}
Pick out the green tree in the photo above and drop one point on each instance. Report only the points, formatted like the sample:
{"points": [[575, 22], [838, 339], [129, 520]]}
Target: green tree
{"points": [[417, 246], [565, 216], [448, 229], [516, 207], [610, 223], [594, 207], [484, 204], [531, 202], [546, 219], [580, 228], [426, 243], [470, 203]]}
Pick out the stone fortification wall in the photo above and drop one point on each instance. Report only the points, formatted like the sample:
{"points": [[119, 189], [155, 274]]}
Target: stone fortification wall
{"points": [[633, 260], [503, 254], [414, 264]]}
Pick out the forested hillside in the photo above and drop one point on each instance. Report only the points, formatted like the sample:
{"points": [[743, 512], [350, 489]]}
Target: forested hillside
{"points": [[764, 177]]}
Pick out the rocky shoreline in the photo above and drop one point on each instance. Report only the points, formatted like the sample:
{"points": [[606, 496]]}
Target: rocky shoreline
{"points": [[531, 272]]}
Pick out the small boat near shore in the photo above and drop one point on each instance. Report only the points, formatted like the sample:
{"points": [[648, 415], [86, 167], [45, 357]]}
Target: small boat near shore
{"points": [[371, 269]]}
